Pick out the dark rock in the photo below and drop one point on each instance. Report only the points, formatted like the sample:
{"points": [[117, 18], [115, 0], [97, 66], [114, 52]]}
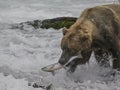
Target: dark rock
{"points": [[55, 23]]}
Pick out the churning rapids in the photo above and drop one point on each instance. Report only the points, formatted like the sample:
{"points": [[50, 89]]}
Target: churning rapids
{"points": [[24, 52]]}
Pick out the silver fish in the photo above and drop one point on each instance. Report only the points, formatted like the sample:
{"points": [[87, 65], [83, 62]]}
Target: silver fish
{"points": [[52, 67]]}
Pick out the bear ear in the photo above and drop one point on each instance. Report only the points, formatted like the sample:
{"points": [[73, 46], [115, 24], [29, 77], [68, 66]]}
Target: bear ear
{"points": [[64, 31]]}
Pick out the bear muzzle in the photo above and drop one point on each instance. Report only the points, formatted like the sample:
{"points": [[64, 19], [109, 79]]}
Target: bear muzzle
{"points": [[67, 57]]}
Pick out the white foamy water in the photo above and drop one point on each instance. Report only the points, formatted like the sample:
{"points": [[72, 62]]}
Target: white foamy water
{"points": [[24, 52], [22, 10]]}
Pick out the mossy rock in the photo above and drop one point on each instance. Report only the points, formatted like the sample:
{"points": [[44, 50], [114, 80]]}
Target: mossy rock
{"points": [[55, 23], [58, 23]]}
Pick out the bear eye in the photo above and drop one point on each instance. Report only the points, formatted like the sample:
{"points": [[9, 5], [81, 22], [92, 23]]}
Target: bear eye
{"points": [[84, 39], [78, 28]]}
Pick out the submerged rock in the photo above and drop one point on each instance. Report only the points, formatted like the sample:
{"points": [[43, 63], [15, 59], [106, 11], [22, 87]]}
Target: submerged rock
{"points": [[47, 87], [55, 23]]}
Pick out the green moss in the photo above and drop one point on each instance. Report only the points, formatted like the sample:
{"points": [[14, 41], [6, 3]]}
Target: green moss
{"points": [[61, 24], [58, 23]]}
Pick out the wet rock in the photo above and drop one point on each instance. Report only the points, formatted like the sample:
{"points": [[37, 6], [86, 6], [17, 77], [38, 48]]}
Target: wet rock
{"points": [[48, 87], [34, 24], [55, 23]]}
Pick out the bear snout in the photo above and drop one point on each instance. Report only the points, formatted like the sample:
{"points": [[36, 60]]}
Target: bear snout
{"points": [[65, 57]]}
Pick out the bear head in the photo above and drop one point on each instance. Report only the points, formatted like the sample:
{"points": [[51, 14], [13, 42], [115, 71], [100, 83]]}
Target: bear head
{"points": [[76, 39]]}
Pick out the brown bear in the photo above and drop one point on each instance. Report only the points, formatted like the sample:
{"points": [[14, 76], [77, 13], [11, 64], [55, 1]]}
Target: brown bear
{"points": [[98, 30]]}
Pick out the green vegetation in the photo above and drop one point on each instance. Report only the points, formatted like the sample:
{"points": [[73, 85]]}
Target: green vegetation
{"points": [[57, 24]]}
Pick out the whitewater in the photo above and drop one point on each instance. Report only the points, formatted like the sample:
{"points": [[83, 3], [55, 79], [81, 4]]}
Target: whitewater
{"points": [[24, 52]]}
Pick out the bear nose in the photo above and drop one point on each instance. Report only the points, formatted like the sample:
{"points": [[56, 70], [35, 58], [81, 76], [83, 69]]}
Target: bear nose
{"points": [[62, 61], [65, 56]]}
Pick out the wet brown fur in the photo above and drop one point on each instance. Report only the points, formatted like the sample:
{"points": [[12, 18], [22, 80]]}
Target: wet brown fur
{"points": [[96, 28]]}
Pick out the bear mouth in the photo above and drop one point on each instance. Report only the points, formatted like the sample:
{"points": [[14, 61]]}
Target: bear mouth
{"points": [[58, 66]]}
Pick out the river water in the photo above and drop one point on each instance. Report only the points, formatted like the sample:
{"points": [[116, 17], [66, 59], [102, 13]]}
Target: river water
{"points": [[24, 52]]}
